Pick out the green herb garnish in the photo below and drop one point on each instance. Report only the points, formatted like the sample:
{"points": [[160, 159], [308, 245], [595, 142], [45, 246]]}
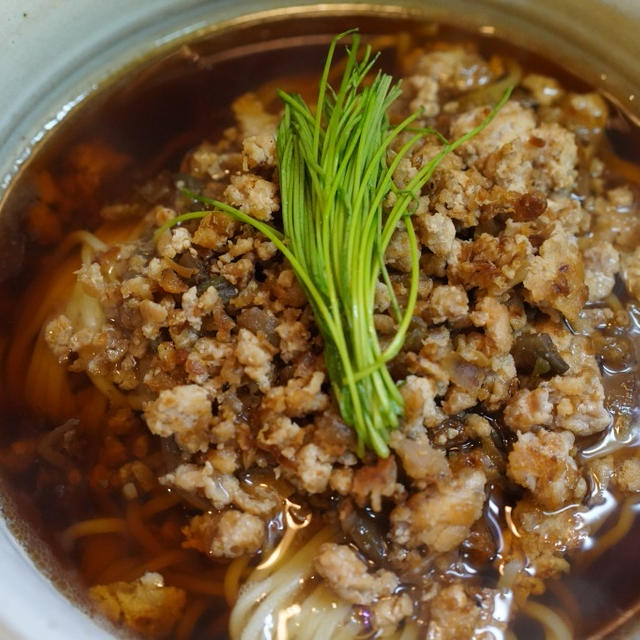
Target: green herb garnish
{"points": [[334, 179]]}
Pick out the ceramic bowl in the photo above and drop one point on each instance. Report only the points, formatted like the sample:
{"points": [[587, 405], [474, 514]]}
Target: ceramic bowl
{"points": [[56, 54]]}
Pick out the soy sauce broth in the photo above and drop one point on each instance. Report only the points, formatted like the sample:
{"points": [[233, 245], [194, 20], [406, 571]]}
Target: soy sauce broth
{"points": [[148, 119]]}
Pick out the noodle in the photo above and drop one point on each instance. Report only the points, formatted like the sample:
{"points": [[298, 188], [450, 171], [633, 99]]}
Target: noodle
{"points": [[319, 616], [118, 570], [194, 611], [195, 584], [611, 537], [272, 590], [159, 562], [140, 531], [554, 626], [47, 445], [159, 504], [233, 577], [93, 527]]}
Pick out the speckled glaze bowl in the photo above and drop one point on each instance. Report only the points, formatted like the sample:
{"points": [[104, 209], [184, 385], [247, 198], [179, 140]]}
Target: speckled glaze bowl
{"points": [[57, 53]]}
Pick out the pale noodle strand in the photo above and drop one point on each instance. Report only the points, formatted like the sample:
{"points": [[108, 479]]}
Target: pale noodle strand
{"points": [[283, 602], [54, 292], [266, 598], [555, 628], [321, 616], [619, 530], [93, 527], [232, 578]]}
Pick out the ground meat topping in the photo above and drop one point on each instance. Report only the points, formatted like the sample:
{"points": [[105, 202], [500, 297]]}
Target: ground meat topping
{"points": [[542, 463], [440, 517], [526, 239], [145, 605], [183, 412], [555, 278], [348, 575], [229, 535]]}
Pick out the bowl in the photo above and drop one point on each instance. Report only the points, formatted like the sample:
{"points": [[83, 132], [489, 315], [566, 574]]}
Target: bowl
{"points": [[56, 56]]}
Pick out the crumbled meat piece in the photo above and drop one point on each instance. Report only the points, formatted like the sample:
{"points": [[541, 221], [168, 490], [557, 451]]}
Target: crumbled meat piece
{"points": [[256, 354], [391, 610], [222, 489], [383, 297], [420, 407], [457, 191], [183, 412], [627, 475], [253, 195], [566, 211], [440, 517], [437, 232], [542, 160], [425, 95], [545, 90], [420, 460], [349, 577], [299, 397], [259, 150], [455, 67], [173, 242], [448, 303], [154, 316], [601, 470], [555, 278], [544, 540], [398, 254], [137, 287], [196, 307], [92, 281], [579, 401], [227, 535], [282, 435], [630, 263], [542, 463], [223, 459], [528, 409], [493, 264], [207, 161], [341, 480], [578, 395], [294, 339], [615, 218], [252, 118], [58, 334], [478, 426], [313, 467], [145, 605], [511, 122], [374, 481], [602, 263], [495, 317], [456, 614], [214, 230]]}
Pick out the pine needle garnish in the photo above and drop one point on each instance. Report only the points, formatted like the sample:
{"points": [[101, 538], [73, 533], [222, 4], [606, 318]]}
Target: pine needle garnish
{"points": [[334, 179]]}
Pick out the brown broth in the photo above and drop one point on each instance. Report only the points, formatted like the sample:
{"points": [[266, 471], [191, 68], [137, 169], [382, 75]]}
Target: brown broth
{"points": [[151, 117]]}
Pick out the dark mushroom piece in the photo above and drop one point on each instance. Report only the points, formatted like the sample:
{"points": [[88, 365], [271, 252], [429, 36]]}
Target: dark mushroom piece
{"points": [[535, 353]]}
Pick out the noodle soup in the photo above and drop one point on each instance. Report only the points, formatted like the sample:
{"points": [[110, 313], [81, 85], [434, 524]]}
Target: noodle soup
{"points": [[170, 430]]}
